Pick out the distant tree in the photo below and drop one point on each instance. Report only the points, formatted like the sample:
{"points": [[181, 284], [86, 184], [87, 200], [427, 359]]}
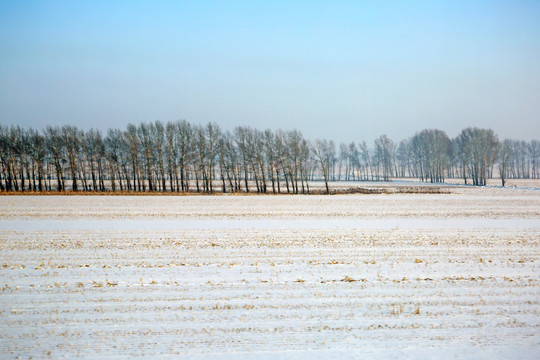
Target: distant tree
{"points": [[354, 161], [114, 154], [8, 158], [404, 158], [367, 160], [148, 150], [214, 134], [184, 148], [270, 153], [72, 142], [333, 158], [132, 144], [534, 152], [20, 145], [157, 130], [505, 158], [171, 150], [431, 149], [280, 151], [479, 148], [384, 151], [344, 159], [94, 149], [55, 146], [322, 150], [305, 165], [38, 154], [241, 139], [259, 159], [294, 157]]}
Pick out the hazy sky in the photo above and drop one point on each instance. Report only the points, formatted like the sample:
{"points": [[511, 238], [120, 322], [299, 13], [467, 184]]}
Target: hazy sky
{"points": [[345, 70]]}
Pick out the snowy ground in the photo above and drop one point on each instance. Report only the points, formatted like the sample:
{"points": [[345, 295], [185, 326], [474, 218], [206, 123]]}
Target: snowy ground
{"points": [[316, 277]]}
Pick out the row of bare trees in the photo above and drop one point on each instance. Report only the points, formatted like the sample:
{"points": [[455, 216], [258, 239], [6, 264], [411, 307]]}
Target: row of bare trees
{"points": [[175, 157], [475, 155], [181, 157]]}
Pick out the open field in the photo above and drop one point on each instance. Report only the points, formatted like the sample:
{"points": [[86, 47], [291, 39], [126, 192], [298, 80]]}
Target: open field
{"points": [[345, 276]]}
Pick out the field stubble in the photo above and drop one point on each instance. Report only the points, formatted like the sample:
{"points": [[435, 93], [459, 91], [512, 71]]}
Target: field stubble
{"points": [[246, 291]]}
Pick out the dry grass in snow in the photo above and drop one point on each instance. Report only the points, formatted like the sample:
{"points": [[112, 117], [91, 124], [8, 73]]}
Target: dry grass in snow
{"points": [[242, 291]]}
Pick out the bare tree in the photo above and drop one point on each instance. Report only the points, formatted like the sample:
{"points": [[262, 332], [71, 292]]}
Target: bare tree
{"points": [[505, 158], [38, 153], [534, 152], [384, 152], [430, 150], [241, 139], [7, 159], [72, 140], [404, 158], [158, 141], [55, 146], [147, 143], [132, 144], [366, 159], [94, 149], [344, 158], [322, 151], [114, 154], [479, 148]]}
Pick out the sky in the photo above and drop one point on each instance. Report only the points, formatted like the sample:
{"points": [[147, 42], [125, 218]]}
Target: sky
{"points": [[342, 70]]}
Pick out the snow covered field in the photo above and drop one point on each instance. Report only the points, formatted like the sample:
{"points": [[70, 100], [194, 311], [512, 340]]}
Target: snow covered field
{"points": [[345, 276]]}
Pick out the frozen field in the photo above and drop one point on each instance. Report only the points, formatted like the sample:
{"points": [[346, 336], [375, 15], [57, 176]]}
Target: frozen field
{"points": [[208, 277]]}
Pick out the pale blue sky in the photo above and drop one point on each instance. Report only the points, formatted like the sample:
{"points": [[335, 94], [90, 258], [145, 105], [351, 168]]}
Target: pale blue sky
{"points": [[345, 70]]}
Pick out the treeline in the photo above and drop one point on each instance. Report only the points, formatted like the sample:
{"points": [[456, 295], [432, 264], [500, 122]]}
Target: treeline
{"points": [[182, 157]]}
